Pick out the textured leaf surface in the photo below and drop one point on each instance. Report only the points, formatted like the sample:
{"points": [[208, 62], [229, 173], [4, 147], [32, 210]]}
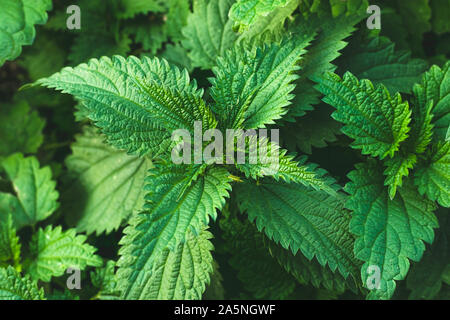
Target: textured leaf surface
{"points": [[208, 32], [422, 127], [310, 272], [137, 103], [35, 196], [284, 167], [397, 168], [17, 21], [246, 12], [105, 185], [178, 273], [302, 219], [389, 232], [272, 25], [377, 121], [433, 176], [54, 251], [253, 88], [435, 87], [181, 199], [15, 287]]}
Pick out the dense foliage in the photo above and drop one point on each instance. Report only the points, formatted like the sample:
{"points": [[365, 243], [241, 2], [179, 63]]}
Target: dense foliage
{"points": [[357, 208]]}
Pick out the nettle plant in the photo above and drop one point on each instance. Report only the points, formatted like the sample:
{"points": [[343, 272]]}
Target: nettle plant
{"points": [[352, 230]]}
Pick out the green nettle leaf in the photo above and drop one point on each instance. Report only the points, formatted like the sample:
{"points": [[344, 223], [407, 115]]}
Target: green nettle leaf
{"points": [[20, 129], [376, 59], [9, 244], [105, 185], [435, 87], [300, 218], [311, 272], [54, 251], [178, 273], [208, 33], [377, 121], [181, 199], [252, 88], [17, 21], [397, 168], [137, 103], [35, 196], [422, 127], [15, 287], [286, 168], [147, 80], [389, 232], [246, 12], [433, 175], [426, 277], [271, 25]]}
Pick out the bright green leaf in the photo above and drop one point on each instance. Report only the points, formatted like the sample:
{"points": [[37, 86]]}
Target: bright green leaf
{"points": [[137, 103], [246, 12], [105, 185], [208, 33], [15, 287], [377, 121], [181, 200], [253, 88], [300, 218], [433, 176], [54, 251], [35, 196], [17, 21], [389, 232]]}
